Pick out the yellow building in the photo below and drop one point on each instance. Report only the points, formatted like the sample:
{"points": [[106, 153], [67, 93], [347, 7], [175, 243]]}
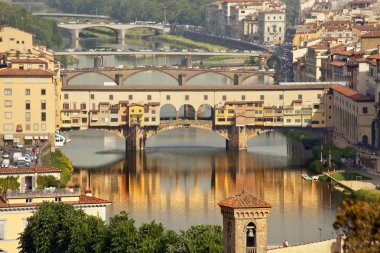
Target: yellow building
{"points": [[17, 206], [136, 114], [29, 104], [12, 40]]}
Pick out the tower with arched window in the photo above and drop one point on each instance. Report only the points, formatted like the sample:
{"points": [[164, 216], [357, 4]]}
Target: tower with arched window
{"points": [[244, 224]]}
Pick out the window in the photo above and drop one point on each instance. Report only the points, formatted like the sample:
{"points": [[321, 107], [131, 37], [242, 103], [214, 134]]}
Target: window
{"points": [[153, 118], [66, 106], [27, 116], [74, 106], [28, 200], [7, 92], [27, 127], [92, 96], [27, 92], [1, 39], [242, 97], [83, 106], [130, 97], [288, 120], [167, 97], [114, 119], [7, 115], [66, 96], [205, 97], [262, 97], [307, 120], [27, 105], [280, 29], [319, 96], [299, 96], [8, 127], [316, 106], [281, 97], [8, 103], [43, 105], [35, 127], [149, 97], [43, 116], [268, 29], [110, 97], [187, 97], [297, 120], [365, 109], [57, 199], [2, 229], [224, 97], [146, 119], [43, 126], [43, 91]]}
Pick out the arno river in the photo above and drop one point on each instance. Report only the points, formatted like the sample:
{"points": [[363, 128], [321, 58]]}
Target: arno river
{"points": [[182, 175], [179, 179]]}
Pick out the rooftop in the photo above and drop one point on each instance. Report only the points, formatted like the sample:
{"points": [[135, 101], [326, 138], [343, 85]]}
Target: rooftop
{"points": [[29, 72], [353, 94], [6, 171], [244, 200]]}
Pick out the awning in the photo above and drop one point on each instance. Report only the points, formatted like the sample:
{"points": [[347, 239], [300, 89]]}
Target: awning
{"points": [[44, 137], [16, 139], [8, 137], [36, 137], [28, 137]]}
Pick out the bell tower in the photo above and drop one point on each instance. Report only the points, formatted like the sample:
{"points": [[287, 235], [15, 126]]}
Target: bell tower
{"points": [[244, 224]]}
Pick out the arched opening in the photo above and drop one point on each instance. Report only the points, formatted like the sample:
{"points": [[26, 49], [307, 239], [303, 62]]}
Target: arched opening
{"points": [[205, 112], [168, 112], [209, 79], [89, 79], [258, 80], [150, 78], [365, 140], [251, 237], [187, 112]]}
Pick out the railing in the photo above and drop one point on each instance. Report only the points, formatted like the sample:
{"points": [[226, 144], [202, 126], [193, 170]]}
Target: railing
{"points": [[251, 249], [42, 192]]}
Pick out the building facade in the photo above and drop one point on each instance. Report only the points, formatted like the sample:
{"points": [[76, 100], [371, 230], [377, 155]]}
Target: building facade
{"points": [[271, 26], [13, 40]]}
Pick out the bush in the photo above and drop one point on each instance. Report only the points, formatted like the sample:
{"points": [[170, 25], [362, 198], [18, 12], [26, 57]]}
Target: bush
{"points": [[62, 162], [317, 167], [47, 181], [370, 195], [9, 183]]}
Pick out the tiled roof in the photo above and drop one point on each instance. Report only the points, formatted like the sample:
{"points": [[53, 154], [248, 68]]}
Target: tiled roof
{"points": [[6, 171], [83, 200], [29, 72], [371, 34], [244, 201], [374, 56], [337, 63], [353, 94], [29, 60]]}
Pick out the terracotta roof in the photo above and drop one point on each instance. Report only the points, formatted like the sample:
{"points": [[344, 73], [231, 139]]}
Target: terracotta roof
{"points": [[29, 72], [83, 200], [153, 103], [371, 34], [244, 201], [337, 63], [123, 102], [353, 94], [29, 60], [29, 170], [374, 56]]}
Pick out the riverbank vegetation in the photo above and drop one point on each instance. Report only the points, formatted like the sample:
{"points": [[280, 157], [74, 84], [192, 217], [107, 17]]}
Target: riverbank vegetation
{"points": [[9, 182], [45, 31], [184, 42], [173, 11], [59, 160], [59, 227]]}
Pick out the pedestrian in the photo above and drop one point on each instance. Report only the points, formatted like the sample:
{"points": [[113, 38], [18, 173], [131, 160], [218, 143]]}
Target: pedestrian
{"points": [[286, 243]]}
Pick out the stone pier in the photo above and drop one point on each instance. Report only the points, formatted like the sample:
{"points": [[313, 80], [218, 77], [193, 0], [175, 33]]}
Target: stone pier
{"points": [[237, 138], [135, 138]]}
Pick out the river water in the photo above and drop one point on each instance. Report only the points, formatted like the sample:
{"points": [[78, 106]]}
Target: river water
{"points": [[180, 177]]}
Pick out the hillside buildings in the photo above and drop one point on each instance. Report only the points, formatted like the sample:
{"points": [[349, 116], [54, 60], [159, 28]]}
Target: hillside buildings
{"points": [[250, 19]]}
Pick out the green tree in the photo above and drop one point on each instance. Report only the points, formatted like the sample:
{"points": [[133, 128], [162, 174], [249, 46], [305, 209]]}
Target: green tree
{"points": [[59, 227], [47, 181], [359, 221], [121, 234], [202, 238]]}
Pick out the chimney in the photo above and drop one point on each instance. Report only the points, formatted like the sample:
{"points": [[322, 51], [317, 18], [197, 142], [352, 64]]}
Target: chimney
{"points": [[88, 192]]}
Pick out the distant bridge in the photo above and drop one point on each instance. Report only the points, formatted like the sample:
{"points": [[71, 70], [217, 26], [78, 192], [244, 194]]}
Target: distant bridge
{"points": [[119, 28], [182, 75], [70, 15]]}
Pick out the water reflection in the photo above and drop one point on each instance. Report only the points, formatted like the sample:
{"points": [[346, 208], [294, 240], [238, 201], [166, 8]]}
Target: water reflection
{"points": [[181, 187]]}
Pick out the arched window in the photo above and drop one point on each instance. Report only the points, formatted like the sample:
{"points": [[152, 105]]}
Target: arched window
{"points": [[365, 140], [251, 237]]}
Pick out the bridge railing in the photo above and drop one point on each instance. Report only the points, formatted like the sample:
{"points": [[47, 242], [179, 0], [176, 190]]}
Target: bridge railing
{"points": [[185, 122]]}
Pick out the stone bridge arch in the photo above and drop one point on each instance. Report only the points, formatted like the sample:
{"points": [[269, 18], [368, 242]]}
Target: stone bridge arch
{"points": [[69, 77], [170, 74], [191, 77]]}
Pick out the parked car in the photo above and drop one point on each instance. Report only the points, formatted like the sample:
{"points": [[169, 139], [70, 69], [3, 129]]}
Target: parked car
{"points": [[23, 163], [5, 163], [17, 145], [5, 156]]}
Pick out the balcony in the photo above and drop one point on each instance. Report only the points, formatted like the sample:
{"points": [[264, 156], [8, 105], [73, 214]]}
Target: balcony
{"points": [[47, 192], [251, 250]]}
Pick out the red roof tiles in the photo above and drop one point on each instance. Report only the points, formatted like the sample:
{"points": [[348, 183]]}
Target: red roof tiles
{"points": [[29, 72], [28, 170], [244, 201], [353, 94]]}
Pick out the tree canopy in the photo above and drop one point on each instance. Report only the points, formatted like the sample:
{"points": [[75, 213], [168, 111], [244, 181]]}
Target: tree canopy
{"points": [[45, 31], [359, 221], [58, 227]]}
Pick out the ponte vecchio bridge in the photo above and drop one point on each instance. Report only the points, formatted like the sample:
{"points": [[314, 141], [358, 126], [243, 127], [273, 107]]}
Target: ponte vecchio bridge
{"points": [[182, 75], [237, 113]]}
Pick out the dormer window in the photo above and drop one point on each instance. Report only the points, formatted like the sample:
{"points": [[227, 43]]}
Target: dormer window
{"points": [[28, 200], [57, 199], [21, 66]]}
